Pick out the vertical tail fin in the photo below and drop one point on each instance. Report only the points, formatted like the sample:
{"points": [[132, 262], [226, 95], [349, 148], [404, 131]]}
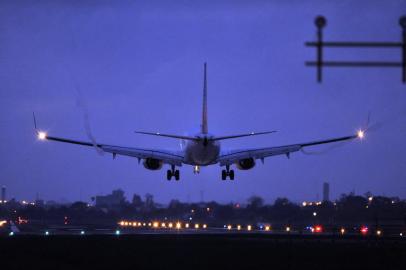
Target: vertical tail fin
{"points": [[204, 127]]}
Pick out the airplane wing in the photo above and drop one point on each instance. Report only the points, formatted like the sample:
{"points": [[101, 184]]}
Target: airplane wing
{"points": [[261, 153], [168, 157]]}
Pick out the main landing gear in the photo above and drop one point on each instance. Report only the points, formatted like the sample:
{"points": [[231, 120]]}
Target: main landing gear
{"points": [[172, 173], [227, 173]]}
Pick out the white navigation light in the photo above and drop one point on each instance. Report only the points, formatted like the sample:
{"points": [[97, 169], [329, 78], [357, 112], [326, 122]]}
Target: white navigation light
{"points": [[42, 135], [361, 134]]}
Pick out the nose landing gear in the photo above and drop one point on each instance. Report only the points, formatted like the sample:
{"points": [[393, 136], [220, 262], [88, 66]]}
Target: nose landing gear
{"points": [[172, 173], [227, 173]]}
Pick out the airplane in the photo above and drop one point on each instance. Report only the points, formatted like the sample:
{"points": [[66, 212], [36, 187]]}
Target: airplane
{"points": [[202, 149]]}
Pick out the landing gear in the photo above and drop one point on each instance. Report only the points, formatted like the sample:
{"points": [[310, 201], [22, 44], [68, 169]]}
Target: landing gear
{"points": [[227, 173], [172, 173]]}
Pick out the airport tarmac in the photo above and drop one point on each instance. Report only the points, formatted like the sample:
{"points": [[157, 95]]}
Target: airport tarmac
{"points": [[201, 251]]}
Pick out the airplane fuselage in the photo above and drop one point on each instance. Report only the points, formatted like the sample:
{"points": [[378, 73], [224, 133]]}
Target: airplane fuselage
{"points": [[202, 152]]}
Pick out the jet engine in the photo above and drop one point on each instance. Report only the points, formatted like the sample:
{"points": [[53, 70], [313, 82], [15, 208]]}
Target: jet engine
{"points": [[245, 164], [152, 164]]}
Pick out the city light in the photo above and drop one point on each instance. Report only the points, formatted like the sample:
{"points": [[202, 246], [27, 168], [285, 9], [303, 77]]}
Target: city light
{"points": [[267, 228], [170, 225], [156, 225], [2, 222], [187, 225], [117, 232], [342, 231], [11, 234], [288, 229], [314, 214], [204, 226], [249, 227], [82, 232], [178, 225], [197, 226], [304, 203], [370, 198], [378, 232], [238, 227], [163, 225], [46, 233]]}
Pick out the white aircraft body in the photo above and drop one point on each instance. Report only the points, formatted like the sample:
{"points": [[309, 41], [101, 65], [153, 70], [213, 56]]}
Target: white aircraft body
{"points": [[203, 149]]}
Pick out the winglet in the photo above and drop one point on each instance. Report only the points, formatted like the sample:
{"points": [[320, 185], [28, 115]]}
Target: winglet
{"points": [[35, 122]]}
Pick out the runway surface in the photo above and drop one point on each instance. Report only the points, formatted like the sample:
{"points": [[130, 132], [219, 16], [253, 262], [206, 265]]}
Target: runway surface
{"points": [[202, 251]]}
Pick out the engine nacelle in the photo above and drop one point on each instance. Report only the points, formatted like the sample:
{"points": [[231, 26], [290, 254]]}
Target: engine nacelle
{"points": [[152, 164], [245, 164]]}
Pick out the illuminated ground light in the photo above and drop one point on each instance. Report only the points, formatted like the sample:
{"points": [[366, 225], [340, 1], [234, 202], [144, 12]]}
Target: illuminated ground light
{"points": [[46, 233], [82, 232], [11, 234], [314, 214], [287, 229], [378, 232], [178, 225], [170, 225], [239, 227], [342, 231], [117, 232], [149, 224], [204, 226], [229, 227], [317, 229], [249, 227], [121, 223], [163, 225], [155, 225], [267, 228], [187, 225], [197, 226]]}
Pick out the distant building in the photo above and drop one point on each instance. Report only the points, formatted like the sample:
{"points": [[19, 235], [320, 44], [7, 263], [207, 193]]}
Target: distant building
{"points": [[3, 194], [113, 199], [326, 192]]}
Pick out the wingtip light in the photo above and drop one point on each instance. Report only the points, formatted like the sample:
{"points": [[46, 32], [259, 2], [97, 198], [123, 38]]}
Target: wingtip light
{"points": [[361, 134], [42, 135]]}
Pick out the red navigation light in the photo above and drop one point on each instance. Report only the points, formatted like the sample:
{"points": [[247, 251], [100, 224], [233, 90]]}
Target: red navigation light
{"points": [[364, 230]]}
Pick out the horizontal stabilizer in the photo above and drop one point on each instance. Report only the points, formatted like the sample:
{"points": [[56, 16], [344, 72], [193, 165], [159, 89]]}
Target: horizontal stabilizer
{"points": [[242, 135], [167, 135]]}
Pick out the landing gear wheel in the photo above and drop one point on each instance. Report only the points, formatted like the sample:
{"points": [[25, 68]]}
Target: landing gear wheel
{"points": [[223, 175], [168, 175], [231, 175], [177, 175]]}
